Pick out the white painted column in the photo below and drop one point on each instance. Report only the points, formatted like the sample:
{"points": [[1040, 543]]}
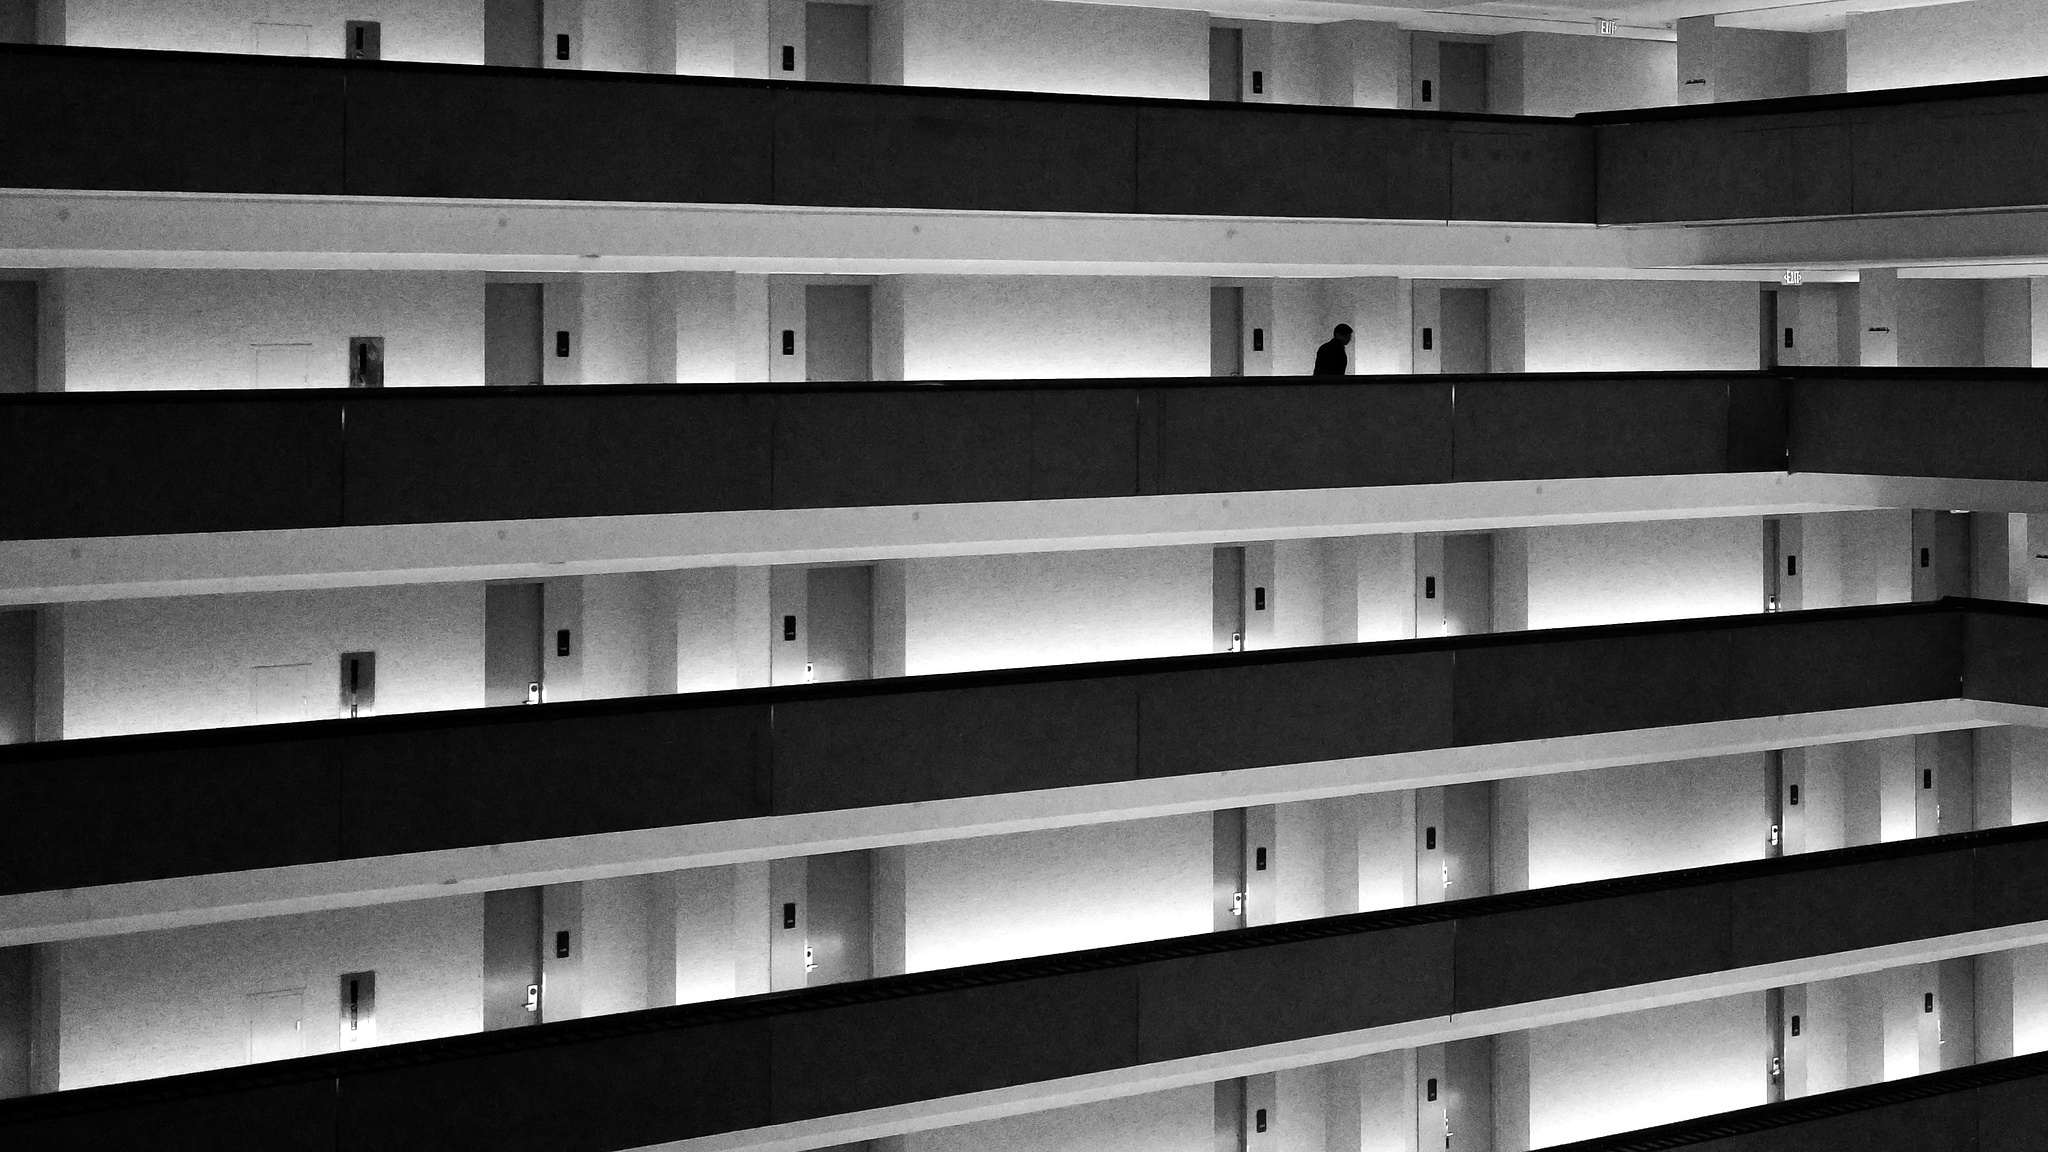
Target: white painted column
{"points": [[561, 310], [1696, 60], [788, 624], [1510, 579], [1877, 313], [1507, 326], [2009, 323], [753, 631], [562, 611], [1426, 357]]}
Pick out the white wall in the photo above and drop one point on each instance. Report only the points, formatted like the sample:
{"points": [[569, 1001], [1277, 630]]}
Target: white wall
{"points": [[1640, 325], [161, 665], [161, 1003], [451, 31], [1034, 608], [1033, 893], [1618, 1073], [144, 328], [617, 310], [1178, 1120], [1019, 327], [1647, 570], [1947, 44], [2030, 999], [1644, 818], [1037, 46], [1564, 75], [625, 620], [1941, 323]]}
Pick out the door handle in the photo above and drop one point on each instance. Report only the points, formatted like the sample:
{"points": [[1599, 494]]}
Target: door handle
{"points": [[810, 964], [533, 692], [533, 997], [1237, 905]]}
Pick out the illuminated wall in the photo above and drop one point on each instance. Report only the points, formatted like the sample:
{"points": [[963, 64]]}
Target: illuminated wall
{"points": [[1947, 44], [1617, 1073], [617, 320], [1036, 46], [2030, 999], [1031, 893], [1033, 608], [160, 665], [1021, 327], [449, 31], [162, 1003], [1178, 1120], [1647, 570], [143, 328], [1640, 325], [1643, 818]]}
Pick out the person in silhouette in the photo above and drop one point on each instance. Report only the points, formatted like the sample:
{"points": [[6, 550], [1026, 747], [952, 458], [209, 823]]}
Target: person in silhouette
{"points": [[1331, 359]]}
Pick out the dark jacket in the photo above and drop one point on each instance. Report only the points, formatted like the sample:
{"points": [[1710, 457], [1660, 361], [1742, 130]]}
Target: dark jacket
{"points": [[1331, 360]]}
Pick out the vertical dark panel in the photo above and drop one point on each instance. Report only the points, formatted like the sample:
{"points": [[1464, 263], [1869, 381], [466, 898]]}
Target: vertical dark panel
{"points": [[17, 677], [511, 956], [16, 1022], [18, 335]]}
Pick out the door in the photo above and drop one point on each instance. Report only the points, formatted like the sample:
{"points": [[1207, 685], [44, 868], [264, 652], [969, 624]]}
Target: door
{"points": [[1226, 331], [1461, 76], [1468, 584], [838, 342], [277, 1025], [364, 40], [1941, 554], [512, 985], [1228, 614], [789, 912], [282, 693], [836, 43], [1227, 838], [512, 334], [17, 677], [1767, 328], [512, 33], [1463, 330], [842, 630], [1226, 64], [841, 890], [1453, 842], [512, 644], [18, 335]]}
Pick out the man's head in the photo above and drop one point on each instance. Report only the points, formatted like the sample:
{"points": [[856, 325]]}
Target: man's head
{"points": [[1342, 334]]}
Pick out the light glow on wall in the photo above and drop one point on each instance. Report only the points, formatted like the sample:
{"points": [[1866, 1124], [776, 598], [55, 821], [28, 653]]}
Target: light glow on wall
{"points": [[1064, 327], [1618, 1073], [1035, 893], [1040, 608], [1645, 818], [1651, 570]]}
